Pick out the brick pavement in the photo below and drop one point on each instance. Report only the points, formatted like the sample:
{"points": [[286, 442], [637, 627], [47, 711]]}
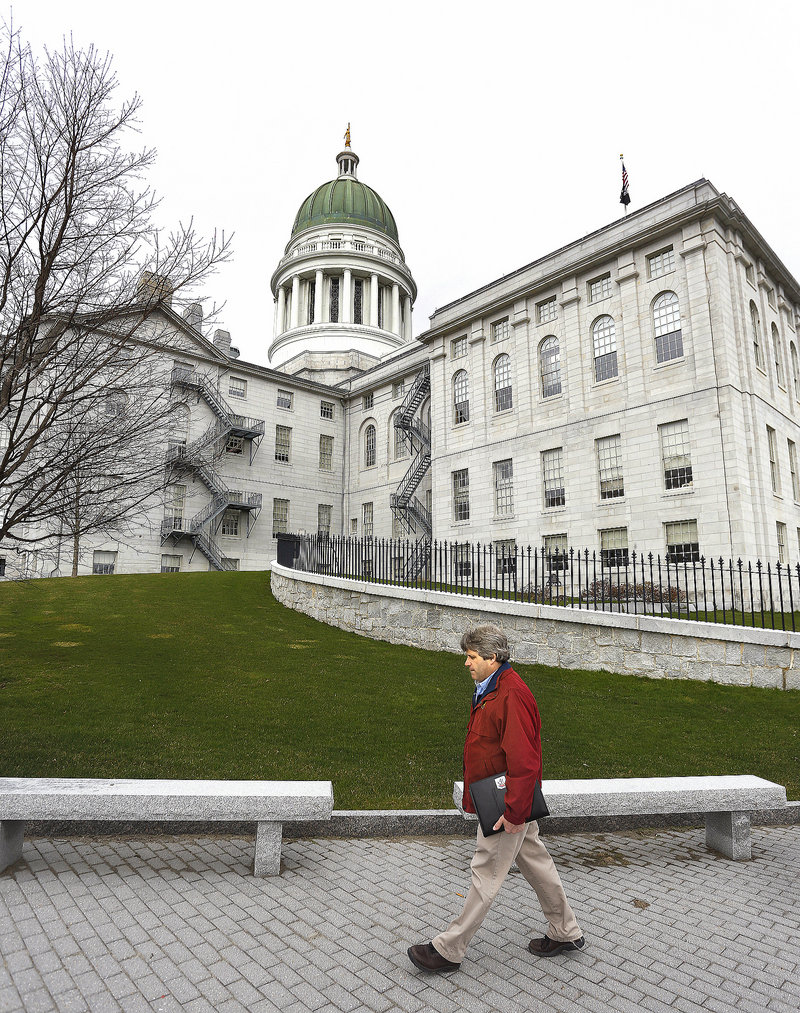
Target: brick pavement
{"points": [[178, 923]]}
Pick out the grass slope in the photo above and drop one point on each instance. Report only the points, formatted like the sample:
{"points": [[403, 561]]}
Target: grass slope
{"points": [[206, 675]]}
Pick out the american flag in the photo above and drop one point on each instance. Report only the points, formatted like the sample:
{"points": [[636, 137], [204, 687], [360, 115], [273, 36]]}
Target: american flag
{"points": [[624, 197]]}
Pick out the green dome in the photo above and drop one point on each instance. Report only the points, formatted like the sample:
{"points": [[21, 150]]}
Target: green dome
{"points": [[345, 201]]}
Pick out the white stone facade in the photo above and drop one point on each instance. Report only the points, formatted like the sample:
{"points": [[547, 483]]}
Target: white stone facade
{"points": [[685, 443]]}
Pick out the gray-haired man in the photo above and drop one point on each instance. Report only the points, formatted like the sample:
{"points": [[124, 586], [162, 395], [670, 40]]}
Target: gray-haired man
{"points": [[502, 735]]}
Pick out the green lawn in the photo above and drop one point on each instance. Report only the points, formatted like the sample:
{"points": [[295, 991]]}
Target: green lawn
{"points": [[206, 675]]}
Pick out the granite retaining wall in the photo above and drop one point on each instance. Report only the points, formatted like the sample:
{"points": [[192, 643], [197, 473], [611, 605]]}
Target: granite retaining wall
{"points": [[549, 635]]}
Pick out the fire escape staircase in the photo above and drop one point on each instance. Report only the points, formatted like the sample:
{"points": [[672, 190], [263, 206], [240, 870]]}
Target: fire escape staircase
{"points": [[406, 507], [197, 458]]}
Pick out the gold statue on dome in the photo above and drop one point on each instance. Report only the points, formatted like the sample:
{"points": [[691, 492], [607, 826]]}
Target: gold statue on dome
{"points": [[347, 136]]}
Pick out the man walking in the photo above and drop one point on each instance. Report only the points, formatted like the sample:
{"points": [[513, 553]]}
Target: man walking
{"points": [[502, 735]]}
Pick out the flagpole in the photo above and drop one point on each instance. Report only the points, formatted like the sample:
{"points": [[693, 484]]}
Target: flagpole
{"points": [[624, 197]]}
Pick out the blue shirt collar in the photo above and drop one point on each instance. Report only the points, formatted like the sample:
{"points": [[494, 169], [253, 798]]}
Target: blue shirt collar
{"points": [[482, 688]]}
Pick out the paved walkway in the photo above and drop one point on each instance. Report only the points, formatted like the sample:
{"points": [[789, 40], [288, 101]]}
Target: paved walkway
{"points": [[179, 923]]}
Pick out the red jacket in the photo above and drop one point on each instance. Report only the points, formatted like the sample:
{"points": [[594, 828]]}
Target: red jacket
{"points": [[503, 734]]}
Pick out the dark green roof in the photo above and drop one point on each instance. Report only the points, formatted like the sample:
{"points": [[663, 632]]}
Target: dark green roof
{"points": [[345, 201]]}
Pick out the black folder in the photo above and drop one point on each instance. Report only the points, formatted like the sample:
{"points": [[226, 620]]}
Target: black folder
{"points": [[489, 798]]}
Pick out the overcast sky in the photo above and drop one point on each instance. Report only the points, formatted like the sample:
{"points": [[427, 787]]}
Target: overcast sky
{"points": [[492, 130]]}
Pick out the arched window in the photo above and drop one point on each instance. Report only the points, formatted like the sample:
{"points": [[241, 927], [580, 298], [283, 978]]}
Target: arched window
{"points": [[503, 394], [776, 351], [667, 323], [460, 397], [116, 403], [369, 447], [550, 366], [795, 371], [604, 339], [754, 323], [399, 439]]}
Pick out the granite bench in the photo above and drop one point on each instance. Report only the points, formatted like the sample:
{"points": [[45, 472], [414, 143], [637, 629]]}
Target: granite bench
{"points": [[266, 803], [727, 802]]}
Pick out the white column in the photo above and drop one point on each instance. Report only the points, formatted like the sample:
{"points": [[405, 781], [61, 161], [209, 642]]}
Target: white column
{"points": [[345, 310], [296, 301], [407, 322], [396, 309], [373, 301], [281, 317], [318, 297]]}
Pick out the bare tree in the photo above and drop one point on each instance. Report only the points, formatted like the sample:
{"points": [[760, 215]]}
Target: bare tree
{"points": [[86, 289]]}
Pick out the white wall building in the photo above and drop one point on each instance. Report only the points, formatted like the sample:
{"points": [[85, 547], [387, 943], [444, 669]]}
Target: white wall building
{"points": [[638, 389]]}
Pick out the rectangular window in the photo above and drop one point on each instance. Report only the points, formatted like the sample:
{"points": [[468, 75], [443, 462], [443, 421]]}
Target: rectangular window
{"points": [[771, 297], [613, 547], [781, 528], [398, 390], [237, 387], [749, 273], [462, 560], [229, 564], [326, 410], [500, 330], [104, 562], [553, 478], [682, 542], [505, 557], [283, 444], [461, 495], [333, 301], [354, 525], [774, 472], [367, 402], [555, 551], [285, 399], [358, 301], [171, 564], [503, 488], [609, 467], [174, 504], [793, 470], [600, 288], [234, 445], [324, 513], [312, 298], [661, 263], [326, 453], [547, 310], [230, 523], [675, 454], [280, 516], [367, 514], [458, 347]]}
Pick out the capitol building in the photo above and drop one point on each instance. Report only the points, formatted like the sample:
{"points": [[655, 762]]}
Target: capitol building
{"points": [[636, 390]]}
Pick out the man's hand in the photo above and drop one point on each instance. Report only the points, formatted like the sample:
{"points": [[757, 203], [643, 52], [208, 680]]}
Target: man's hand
{"points": [[510, 828]]}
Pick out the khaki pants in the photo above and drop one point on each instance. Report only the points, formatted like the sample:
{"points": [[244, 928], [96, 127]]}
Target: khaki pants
{"points": [[490, 864]]}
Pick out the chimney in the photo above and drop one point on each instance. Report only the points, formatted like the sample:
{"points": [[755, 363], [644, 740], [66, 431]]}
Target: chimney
{"points": [[155, 288], [193, 315], [222, 341]]}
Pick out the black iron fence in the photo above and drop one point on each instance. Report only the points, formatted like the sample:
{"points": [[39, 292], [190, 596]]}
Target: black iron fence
{"points": [[712, 590]]}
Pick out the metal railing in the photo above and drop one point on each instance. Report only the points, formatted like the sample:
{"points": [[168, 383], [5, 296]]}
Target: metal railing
{"points": [[710, 590]]}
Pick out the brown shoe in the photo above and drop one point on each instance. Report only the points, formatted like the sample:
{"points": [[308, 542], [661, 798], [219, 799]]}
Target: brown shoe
{"points": [[427, 958], [552, 947]]}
